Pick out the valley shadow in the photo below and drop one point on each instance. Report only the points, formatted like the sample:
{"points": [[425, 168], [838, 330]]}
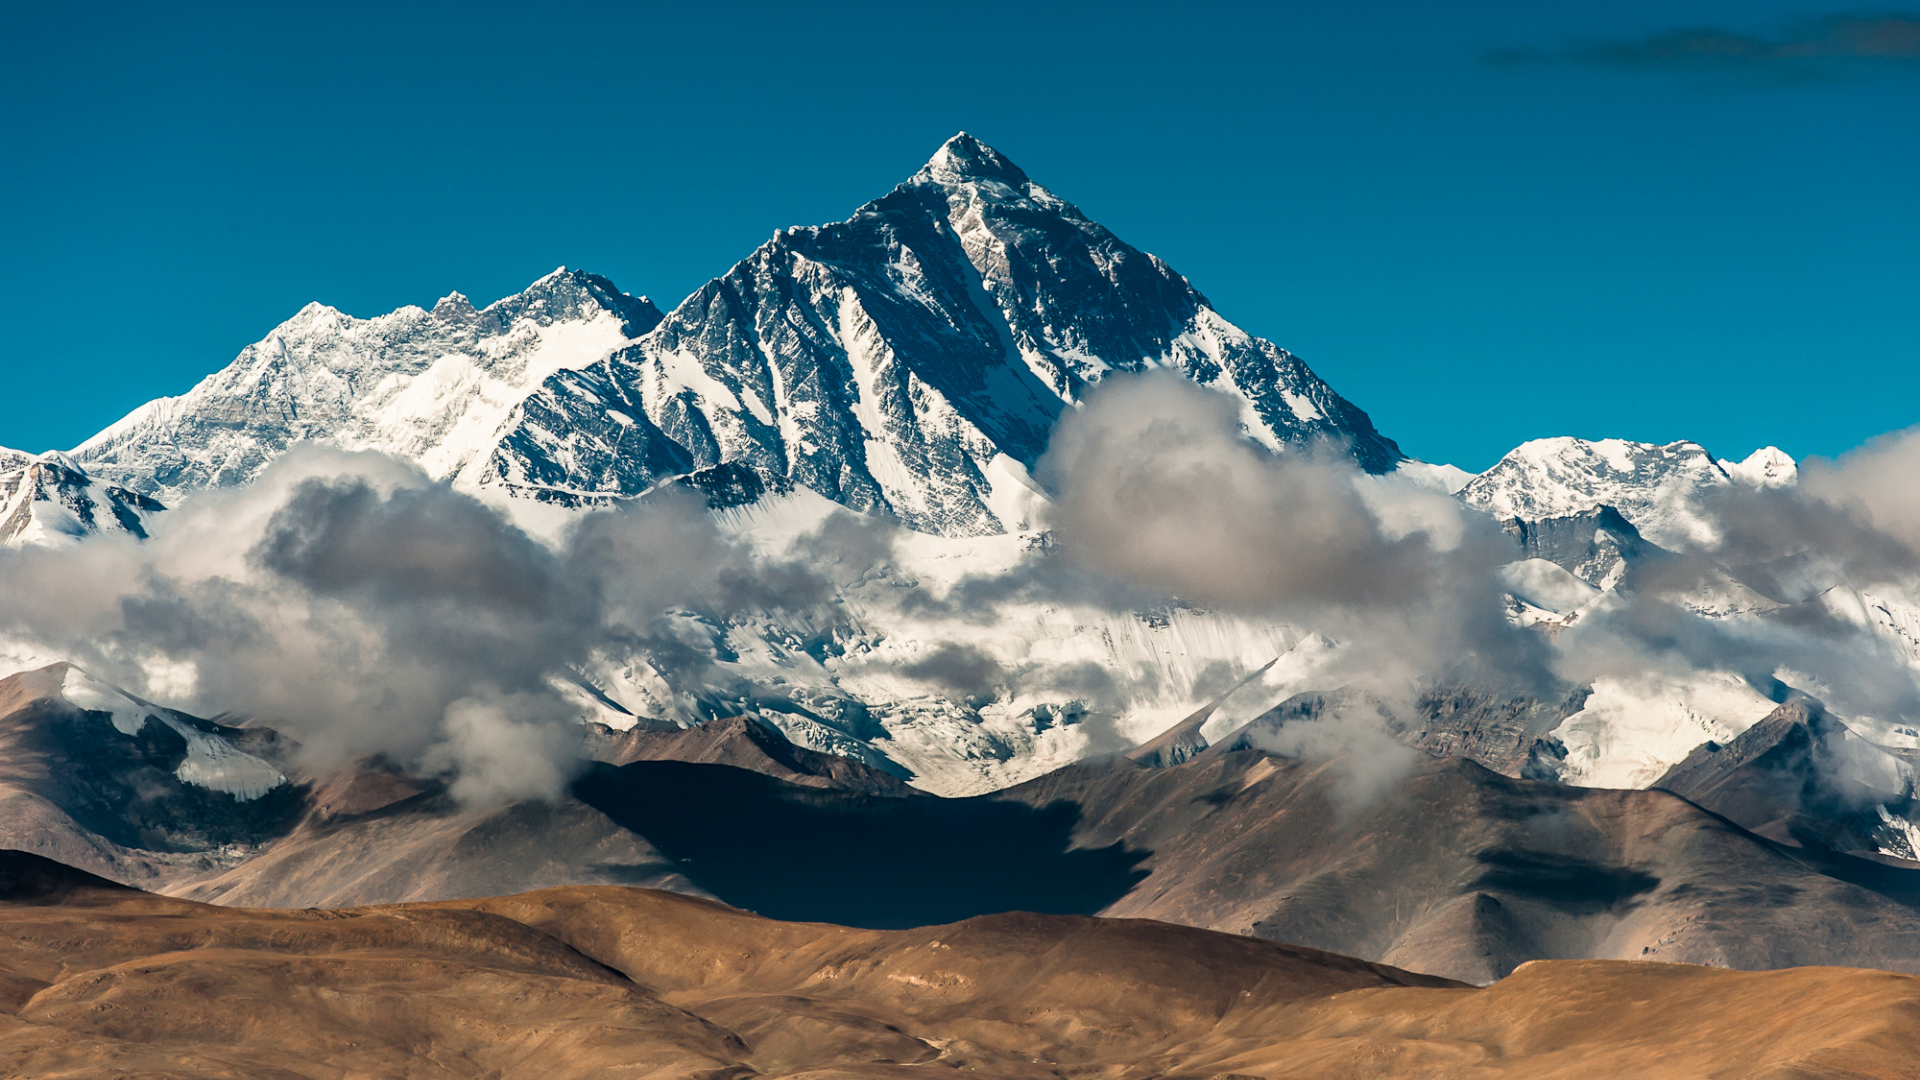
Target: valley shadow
{"points": [[820, 855], [1571, 883]]}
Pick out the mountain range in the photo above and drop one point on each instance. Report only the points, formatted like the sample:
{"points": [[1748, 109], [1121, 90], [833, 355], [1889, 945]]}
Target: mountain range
{"points": [[908, 364], [909, 360], [1455, 871]]}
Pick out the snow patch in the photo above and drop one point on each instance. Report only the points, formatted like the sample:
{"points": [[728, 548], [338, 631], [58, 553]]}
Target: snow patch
{"points": [[1631, 731], [211, 761]]}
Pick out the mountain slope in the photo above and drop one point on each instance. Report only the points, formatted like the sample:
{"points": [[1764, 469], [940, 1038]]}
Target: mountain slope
{"points": [[50, 499], [1450, 870], [433, 386], [590, 982], [98, 778]]}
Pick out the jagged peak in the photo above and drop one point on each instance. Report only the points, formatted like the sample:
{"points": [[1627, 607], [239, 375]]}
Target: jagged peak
{"points": [[60, 459], [314, 309], [965, 159]]}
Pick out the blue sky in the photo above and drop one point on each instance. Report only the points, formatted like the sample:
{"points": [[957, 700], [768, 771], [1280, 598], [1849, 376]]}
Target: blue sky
{"points": [[1482, 222]]}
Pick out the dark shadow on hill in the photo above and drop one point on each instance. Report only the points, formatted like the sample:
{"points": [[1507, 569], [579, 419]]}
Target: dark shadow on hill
{"points": [[816, 855], [26, 878], [1573, 884]]}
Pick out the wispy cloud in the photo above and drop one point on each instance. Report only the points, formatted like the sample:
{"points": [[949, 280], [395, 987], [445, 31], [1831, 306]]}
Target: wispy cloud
{"points": [[1812, 50]]}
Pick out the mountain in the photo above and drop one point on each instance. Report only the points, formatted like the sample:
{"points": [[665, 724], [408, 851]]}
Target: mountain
{"points": [[97, 980], [101, 779], [913, 358], [50, 499], [1803, 778], [1657, 488], [436, 387], [92, 775], [372, 834], [1598, 546], [744, 743], [910, 360]]}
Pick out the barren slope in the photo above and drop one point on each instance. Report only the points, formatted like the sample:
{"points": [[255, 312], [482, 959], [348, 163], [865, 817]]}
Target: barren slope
{"points": [[97, 980]]}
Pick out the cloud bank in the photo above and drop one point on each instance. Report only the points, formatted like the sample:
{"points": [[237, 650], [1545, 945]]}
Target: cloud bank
{"points": [[365, 609]]}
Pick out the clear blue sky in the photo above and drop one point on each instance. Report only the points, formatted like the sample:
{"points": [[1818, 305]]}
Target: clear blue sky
{"points": [[1483, 222]]}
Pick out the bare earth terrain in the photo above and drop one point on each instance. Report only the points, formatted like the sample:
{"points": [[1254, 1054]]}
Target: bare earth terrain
{"points": [[100, 980]]}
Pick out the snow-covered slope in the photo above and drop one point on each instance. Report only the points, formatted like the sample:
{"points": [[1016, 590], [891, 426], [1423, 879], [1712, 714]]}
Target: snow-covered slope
{"points": [[50, 499], [434, 386], [1657, 488]]}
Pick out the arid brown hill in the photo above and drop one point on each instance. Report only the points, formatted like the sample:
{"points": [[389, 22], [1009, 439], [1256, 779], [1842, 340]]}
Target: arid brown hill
{"points": [[99, 980]]}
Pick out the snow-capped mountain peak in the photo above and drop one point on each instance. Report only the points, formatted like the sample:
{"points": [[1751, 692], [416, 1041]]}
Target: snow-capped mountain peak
{"points": [[433, 386], [910, 359], [964, 159], [48, 499], [1768, 466], [1658, 488]]}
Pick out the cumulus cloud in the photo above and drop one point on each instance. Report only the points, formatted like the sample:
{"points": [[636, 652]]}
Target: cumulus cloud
{"points": [[966, 671], [1875, 483], [1156, 486], [1354, 734], [1158, 496]]}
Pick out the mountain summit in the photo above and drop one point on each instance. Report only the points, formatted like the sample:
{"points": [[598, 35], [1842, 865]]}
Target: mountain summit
{"points": [[910, 359]]}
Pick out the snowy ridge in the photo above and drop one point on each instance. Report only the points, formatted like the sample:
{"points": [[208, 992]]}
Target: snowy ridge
{"points": [[1657, 488], [434, 386], [50, 500]]}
